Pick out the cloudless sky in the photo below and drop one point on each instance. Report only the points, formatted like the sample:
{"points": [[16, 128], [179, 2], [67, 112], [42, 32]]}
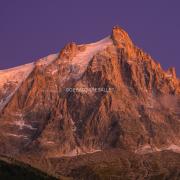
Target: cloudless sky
{"points": [[31, 29]]}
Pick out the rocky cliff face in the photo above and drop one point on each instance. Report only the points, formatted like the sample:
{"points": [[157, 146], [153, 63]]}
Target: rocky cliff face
{"points": [[95, 97]]}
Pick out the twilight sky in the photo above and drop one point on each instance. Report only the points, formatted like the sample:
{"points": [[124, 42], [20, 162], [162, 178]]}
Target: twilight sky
{"points": [[33, 29]]}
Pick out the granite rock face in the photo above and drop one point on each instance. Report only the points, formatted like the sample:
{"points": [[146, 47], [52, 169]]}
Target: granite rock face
{"points": [[93, 97]]}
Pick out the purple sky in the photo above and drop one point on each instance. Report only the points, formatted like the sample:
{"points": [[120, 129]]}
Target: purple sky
{"points": [[35, 28]]}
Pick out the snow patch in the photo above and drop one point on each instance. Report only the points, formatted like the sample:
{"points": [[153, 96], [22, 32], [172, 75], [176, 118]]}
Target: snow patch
{"points": [[21, 124], [50, 142], [81, 60], [76, 152], [169, 75], [13, 77], [16, 74], [16, 135], [173, 148], [47, 60], [150, 149]]}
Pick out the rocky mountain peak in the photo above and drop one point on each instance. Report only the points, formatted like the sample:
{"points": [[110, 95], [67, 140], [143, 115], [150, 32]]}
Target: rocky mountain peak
{"points": [[49, 113], [69, 51], [172, 71], [122, 41], [119, 35]]}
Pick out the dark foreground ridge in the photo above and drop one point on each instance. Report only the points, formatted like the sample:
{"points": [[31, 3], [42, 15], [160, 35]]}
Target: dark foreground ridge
{"points": [[13, 170], [115, 164]]}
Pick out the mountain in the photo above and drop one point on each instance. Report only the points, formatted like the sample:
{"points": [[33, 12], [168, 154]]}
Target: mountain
{"points": [[88, 99]]}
